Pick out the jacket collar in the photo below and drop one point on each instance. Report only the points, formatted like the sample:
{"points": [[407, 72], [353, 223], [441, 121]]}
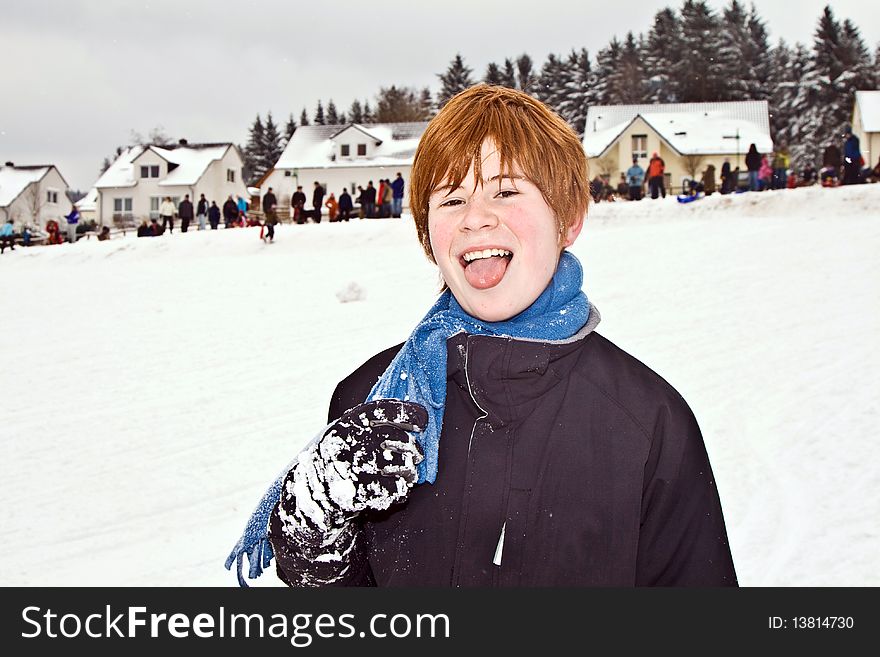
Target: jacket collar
{"points": [[505, 376]]}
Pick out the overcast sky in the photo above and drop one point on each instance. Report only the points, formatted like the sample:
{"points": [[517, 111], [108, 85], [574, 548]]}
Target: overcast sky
{"points": [[77, 76]]}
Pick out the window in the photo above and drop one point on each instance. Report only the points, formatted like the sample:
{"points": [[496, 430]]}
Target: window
{"points": [[122, 205], [51, 196], [155, 202], [345, 150], [230, 175], [150, 171], [640, 146], [362, 149], [287, 173]]}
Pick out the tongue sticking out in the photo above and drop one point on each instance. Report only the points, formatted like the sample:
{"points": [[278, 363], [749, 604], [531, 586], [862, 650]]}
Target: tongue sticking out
{"points": [[486, 272]]}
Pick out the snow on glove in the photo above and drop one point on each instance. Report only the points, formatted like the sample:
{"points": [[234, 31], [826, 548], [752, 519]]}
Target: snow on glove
{"points": [[364, 460]]}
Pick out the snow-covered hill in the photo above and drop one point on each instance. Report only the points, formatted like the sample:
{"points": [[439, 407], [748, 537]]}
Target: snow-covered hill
{"points": [[153, 387]]}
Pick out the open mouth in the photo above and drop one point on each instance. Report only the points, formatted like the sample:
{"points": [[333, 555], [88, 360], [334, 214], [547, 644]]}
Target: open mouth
{"points": [[485, 268]]}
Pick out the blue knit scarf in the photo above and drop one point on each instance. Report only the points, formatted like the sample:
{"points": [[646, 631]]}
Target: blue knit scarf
{"points": [[418, 373]]}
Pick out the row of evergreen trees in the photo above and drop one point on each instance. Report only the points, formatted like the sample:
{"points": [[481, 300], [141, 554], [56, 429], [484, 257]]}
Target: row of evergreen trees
{"points": [[693, 55]]}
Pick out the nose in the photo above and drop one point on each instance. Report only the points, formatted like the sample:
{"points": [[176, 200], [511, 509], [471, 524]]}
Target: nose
{"points": [[478, 214]]}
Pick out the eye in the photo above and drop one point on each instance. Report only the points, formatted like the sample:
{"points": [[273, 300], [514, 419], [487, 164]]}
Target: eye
{"points": [[507, 193], [450, 202]]}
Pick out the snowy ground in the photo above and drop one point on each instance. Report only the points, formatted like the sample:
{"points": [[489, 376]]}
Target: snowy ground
{"points": [[153, 387]]}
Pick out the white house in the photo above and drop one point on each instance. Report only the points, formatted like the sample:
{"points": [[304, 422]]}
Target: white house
{"points": [[88, 206], [32, 195], [343, 157], [866, 125], [133, 187], [688, 136]]}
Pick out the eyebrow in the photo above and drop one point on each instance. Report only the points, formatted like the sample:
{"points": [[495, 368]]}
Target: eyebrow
{"points": [[498, 177]]}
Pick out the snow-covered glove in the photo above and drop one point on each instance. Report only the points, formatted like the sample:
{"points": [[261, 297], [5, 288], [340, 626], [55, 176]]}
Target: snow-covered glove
{"points": [[364, 460]]}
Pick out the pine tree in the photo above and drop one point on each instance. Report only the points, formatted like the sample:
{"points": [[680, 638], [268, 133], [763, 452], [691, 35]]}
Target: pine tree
{"points": [[626, 80], [356, 112], [508, 76], [701, 77], [304, 118], [581, 90], [105, 164], [662, 52], [399, 104], [319, 115], [607, 60], [426, 101], [343, 120], [272, 148], [551, 88], [493, 74], [289, 128], [332, 116], [783, 90], [526, 77], [254, 162], [369, 117], [456, 78], [734, 52]]}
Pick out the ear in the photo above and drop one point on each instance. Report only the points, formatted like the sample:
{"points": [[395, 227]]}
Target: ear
{"points": [[572, 233]]}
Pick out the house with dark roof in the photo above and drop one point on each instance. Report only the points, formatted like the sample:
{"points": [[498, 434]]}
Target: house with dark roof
{"points": [[32, 195], [343, 156], [133, 187], [688, 136]]}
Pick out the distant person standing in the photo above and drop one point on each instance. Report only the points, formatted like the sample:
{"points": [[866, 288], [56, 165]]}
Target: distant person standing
{"points": [[726, 186], [317, 202], [369, 204], [166, 212], [242, 206], [345, 205], [635, 177], [397, 200], [387, 198], [7, 236], [852, 158], [298, 202], [332, 207], [781, 162], [270, 203], [72, 221], [753, 164], [214, 215], [202, 211], [656, 171], [185, 212], [230, 212]]}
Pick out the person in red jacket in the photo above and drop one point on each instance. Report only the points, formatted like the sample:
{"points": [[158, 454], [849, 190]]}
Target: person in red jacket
{"points": [[506, 442], [656, 171]]}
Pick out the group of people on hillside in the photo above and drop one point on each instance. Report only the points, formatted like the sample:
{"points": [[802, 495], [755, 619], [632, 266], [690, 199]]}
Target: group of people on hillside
{"points": [[372, 202], [765, 171], [233, 213]]}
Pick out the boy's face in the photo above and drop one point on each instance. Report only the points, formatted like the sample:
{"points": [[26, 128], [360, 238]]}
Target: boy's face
{"points": [[506, 215]]}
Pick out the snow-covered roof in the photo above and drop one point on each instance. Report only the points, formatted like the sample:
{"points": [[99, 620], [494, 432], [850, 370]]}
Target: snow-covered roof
{"points": [[689, 128], [89, 202], [14, 180], [868, 103], [313, 146], [121, 172], [191, 161]]}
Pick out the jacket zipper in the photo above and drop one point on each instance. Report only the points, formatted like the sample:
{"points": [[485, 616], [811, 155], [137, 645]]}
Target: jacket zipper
{"points": [[456, 567]]}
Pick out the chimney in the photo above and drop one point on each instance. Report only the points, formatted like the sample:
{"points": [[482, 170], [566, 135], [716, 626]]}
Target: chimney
{"points": [[10, 164], [182, 142]]}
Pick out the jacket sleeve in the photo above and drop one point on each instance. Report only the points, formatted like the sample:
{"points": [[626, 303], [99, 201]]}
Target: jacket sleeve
{"points": [[683, 540]]}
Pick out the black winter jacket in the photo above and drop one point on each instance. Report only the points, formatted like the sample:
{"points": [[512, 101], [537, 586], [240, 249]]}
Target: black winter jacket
{"points": [[591, 464]]}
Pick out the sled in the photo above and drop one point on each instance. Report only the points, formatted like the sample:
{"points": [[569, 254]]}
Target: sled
{"points": [[689, 199]]}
